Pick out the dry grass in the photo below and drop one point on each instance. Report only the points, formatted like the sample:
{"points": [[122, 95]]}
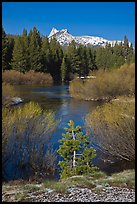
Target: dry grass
{"points": [[8, 92], [106, 85], [31, 77], [122, 179]]}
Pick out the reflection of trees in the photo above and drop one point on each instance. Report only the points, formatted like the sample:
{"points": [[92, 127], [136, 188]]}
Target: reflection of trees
{"points": [[32, 93]]}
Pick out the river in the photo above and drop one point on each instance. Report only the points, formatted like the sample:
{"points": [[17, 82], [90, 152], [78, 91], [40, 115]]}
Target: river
{"points": [[58, 99]]}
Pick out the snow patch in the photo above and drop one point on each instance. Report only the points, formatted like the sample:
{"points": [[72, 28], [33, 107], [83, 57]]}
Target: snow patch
{"points": [[65, 38], [53, 32]]}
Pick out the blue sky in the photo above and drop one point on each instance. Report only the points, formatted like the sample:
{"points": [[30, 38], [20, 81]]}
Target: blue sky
{"points": [[110, 20]]}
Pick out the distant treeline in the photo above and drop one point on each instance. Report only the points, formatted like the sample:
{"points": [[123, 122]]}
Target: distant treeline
{"points": [[31, 51]]}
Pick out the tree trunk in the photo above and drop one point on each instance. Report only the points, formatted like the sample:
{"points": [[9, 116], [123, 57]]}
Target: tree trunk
{"points": [[74, 153]]}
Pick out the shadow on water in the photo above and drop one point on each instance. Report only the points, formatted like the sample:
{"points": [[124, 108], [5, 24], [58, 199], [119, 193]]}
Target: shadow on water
{"points": [[57, 99]]}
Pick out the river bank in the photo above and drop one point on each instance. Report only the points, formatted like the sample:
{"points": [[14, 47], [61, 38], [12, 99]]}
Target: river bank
{"points": [[107, 85], [119, 187]]}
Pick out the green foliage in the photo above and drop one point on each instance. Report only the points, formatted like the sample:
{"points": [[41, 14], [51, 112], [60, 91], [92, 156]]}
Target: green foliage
{"points": [[55, 59], [35, 55], [111, 57], [45, 54], [125, 178], [63, 69], [20, 54], [7, 48], [32, 52], [76, 152], [57, 186]]}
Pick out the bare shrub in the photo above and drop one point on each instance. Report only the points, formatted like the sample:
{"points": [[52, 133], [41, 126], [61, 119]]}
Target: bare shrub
{"points": [[106, 85], [31, 77], [112, 127], [76, 88], [25, 134], [8, 92]]}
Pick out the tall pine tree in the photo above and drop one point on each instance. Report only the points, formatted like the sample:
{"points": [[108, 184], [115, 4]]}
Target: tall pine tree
{"points": [[20, 61], [45, 54], [5, 51], [35, 55], [56, 55], [64, 69]]}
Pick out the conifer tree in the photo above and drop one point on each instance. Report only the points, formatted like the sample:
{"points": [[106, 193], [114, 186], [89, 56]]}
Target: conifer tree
{"points": [[118, 58], [5, 44], [11, 43], [131, 54], [25, 42], [45, 54], [100, 58], [125, 48], [83, 64], [19, 61], [76, 152], [63, 69], [74, 58], [56, 55], [35, 55]]}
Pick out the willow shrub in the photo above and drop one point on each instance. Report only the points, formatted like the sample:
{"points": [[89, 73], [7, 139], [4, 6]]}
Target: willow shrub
{"points": [[112, 127], [107, 84], [26, 131], [8, 92], [31, 77]]}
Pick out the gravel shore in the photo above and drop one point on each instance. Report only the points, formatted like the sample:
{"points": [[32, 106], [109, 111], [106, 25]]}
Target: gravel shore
{"points": [[77, 194]]}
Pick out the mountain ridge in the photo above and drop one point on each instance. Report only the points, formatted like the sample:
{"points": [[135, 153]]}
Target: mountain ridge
{"points": [[65, 38]]}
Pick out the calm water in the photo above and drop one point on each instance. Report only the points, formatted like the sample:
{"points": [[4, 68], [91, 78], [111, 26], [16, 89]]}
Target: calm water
{"points": [[58, 99]]}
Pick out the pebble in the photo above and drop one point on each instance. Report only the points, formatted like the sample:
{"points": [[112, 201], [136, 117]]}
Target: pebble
{"points": [[77, 194]]}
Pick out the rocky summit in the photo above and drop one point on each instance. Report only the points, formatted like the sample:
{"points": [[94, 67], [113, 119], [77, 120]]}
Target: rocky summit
{"points": [[65, 38]]}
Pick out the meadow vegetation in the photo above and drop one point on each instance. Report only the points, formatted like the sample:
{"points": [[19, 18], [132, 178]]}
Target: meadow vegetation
{"points": [[108, 84], [8, 92], [21, 190], [31, 77]]}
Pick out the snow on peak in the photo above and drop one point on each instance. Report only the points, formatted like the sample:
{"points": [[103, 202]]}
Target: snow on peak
{"points": [[53, 32], [65, 38], [64, 30]]}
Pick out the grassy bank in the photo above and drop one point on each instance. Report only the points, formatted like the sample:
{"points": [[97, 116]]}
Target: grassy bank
{"points": [[15, 78], [106, 85], [19, 190]]}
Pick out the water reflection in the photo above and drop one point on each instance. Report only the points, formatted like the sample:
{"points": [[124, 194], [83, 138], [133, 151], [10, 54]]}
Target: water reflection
{"points": [[58, 99]]}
